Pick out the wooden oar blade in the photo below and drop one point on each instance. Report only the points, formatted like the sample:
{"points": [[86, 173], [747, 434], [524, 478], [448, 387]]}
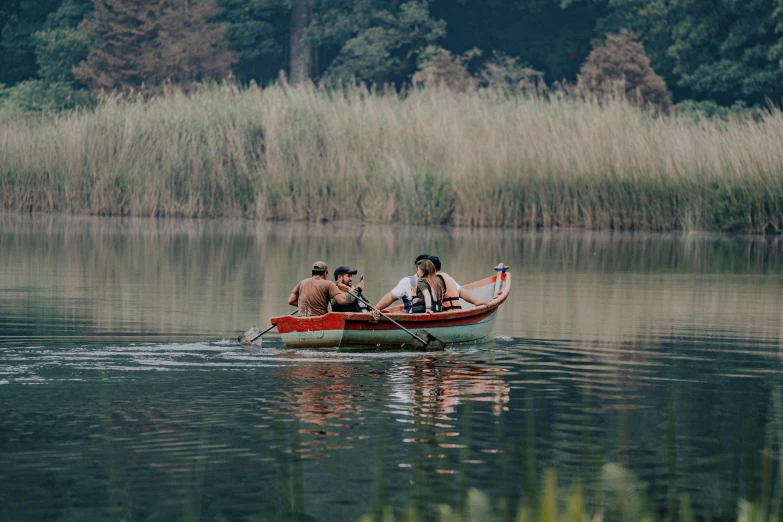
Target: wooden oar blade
{"points": [[251, 337], [427, 342]]}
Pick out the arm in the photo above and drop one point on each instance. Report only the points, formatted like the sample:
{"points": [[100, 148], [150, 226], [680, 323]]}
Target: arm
{"points": [[469, 297], [428, 293], [337, 295], [293, 299], [385, 301], [427, 302]]}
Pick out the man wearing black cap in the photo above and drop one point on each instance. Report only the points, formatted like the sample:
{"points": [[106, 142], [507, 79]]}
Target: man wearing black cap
{"points": [[312, 295], [343, 277]]}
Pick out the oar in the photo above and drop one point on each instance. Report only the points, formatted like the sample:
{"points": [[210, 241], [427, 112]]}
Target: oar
{"points": [[251, 335], [427, 341]]}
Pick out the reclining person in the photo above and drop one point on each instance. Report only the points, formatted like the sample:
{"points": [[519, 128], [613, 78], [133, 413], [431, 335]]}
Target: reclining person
{"points": [[405, 290], [343, 277]]}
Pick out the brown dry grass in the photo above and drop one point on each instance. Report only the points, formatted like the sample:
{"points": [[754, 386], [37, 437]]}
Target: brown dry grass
{"points": [[430, 157]]}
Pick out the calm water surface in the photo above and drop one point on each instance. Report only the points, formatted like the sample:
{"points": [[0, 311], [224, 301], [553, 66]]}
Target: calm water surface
{"points": [[123, 395]]}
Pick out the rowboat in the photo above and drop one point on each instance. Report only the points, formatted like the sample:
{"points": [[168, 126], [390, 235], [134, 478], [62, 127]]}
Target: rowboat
{"points": [[354, 331]]}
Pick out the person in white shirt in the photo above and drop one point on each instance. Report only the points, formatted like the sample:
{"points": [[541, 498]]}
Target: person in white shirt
{"points": [[454, 292], [405, 290]]}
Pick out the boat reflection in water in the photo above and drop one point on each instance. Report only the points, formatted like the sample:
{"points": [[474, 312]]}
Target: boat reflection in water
{"points": [[433, 387], [327, 397]]}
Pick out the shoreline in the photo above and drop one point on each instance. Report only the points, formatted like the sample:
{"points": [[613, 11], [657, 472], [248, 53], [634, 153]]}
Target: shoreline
{"points": [[243, 223]]}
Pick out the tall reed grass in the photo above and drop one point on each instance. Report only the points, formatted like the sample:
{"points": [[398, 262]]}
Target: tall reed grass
{"points": [[429, 156]]}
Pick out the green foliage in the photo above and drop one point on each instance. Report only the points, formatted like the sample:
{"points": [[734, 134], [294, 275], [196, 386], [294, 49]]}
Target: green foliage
{"points": [[41, 96], [57, 51], [552, 36], [256, 30], [732, 208], [722, 51], [19, 20], [430, 55], [727, 52], [506, 72], [376, 42], [29, 34], [708, 109], [437, 66], [69, 14]]}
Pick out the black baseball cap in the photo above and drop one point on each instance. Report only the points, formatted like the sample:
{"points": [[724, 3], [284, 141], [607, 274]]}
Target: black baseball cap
{"points": [[342, 269]]}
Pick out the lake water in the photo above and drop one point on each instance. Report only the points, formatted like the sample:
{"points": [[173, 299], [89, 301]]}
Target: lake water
{"points": [[124, 396]]}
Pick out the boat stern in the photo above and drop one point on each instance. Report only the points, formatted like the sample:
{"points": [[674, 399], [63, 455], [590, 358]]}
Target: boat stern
{"points": [[325, 331]]}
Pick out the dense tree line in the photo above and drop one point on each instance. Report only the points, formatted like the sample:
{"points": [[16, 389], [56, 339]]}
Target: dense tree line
{"points": [[714, 51]]}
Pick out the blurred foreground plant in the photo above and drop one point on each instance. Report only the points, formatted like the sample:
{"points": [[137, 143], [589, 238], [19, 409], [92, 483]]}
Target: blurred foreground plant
{"points": [[621, 498]]}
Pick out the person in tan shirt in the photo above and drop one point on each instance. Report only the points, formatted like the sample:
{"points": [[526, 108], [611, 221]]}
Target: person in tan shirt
{"points": [[312, 295]]}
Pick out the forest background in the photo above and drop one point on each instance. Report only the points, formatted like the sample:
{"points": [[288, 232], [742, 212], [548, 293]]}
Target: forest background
{"points": [[607, 114], [716, 53]]}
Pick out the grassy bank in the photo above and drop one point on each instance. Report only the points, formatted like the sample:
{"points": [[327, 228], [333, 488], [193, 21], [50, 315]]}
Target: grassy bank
{"points": [[433, 157]]}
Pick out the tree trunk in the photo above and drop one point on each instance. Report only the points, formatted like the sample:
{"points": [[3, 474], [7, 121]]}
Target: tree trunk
{"points": [[301, 53]]}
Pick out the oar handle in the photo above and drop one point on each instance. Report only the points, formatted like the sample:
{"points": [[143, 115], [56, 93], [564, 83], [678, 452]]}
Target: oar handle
{"points": [[371, 307], [268, 329]]}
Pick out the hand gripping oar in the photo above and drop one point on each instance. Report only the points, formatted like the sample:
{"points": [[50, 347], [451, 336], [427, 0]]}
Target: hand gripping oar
{"points": [[422, 340], [251, 335]]}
